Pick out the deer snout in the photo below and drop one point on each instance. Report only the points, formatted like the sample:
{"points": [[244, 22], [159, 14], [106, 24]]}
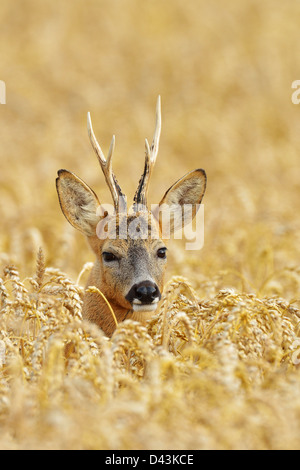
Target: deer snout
{"points": [[144, 294]]}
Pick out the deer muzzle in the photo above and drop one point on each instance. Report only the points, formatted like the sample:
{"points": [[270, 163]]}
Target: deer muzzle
{"points": [[144, 296]]}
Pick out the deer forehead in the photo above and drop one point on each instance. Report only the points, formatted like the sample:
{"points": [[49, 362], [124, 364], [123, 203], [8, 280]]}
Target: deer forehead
{"points": [[128, 227], [140, 240]]}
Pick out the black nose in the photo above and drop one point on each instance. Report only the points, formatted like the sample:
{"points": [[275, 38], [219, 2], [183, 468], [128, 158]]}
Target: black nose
{"points": [[145, 292]]}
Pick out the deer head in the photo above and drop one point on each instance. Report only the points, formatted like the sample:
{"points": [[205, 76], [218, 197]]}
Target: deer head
{"points": [[130, 245]]}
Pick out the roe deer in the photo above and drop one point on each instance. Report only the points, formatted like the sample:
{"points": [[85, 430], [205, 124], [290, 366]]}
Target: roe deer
{"points": [[129, 270]]}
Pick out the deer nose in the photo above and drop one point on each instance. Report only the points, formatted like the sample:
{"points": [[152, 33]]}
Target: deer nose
{"points": [[144, 293]]}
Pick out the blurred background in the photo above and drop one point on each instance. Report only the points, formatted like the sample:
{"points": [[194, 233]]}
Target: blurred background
{"points": [[224, 71]]}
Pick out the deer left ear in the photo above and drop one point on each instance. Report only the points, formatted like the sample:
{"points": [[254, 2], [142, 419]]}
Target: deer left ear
{"points": [[188, 191], [78, 202]]}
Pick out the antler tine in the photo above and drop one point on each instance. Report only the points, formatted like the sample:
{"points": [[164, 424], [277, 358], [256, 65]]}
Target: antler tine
{"points": [[140, 197], [111, 149], [156, 136], [106, 164]]}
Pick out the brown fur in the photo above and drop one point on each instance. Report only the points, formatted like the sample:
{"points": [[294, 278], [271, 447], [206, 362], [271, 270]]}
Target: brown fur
{"points": [[95, 308], [137, 259]]}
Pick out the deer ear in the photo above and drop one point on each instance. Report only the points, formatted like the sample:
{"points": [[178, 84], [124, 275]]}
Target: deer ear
{"points": [[188, 192], [78, 202]]}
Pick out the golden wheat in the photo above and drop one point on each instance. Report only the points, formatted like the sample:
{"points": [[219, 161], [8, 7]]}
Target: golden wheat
{"points": [[229, 355]]}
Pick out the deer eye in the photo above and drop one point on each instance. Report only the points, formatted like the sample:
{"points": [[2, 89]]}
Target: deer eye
{"points": [[108, 257], [162, 252]]}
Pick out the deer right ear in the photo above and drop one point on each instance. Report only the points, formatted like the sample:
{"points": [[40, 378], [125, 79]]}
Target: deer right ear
{"points": [[188, 192], [78, 202]]}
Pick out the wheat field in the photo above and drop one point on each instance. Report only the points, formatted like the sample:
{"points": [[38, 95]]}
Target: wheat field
{"points": [[217, 366]]}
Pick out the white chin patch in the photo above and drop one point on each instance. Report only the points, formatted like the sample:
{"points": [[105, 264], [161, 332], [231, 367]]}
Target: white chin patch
{"points": [[144, 308]]}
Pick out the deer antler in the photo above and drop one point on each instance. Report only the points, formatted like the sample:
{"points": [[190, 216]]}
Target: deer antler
{"points": [[106, 165], [140, 198]]}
